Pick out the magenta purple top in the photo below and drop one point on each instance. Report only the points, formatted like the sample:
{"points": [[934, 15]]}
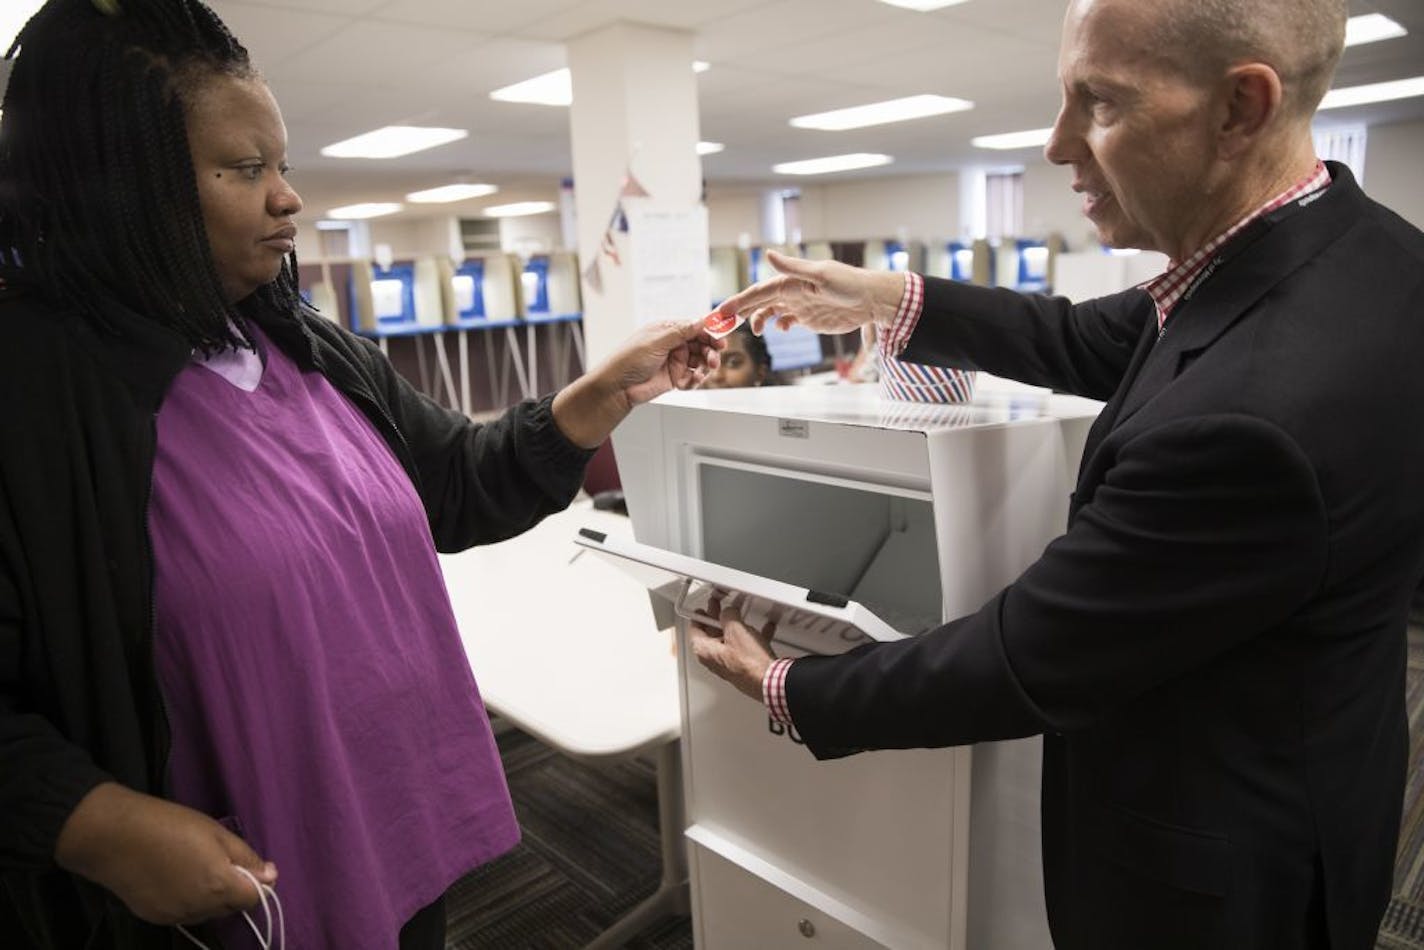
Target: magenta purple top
{"points": [[320, 699]]}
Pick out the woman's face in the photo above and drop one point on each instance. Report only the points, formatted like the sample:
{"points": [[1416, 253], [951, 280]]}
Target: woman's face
{"points": [[239, 149], [738, 369]]}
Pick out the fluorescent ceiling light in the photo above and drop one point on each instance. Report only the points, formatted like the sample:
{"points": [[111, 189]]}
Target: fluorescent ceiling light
{"points": [[450, 193], [372, 209], [1371, 28], [519, 208], [1374, 92], [709, 148], [832, 163], [922, 5], [549, 89], [554, 89], [392, 141], [1029, 138], [878, 113]]}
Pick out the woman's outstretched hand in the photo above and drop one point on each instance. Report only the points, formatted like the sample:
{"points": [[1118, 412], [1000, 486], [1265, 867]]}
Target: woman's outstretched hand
{"points": [[658, 357]]}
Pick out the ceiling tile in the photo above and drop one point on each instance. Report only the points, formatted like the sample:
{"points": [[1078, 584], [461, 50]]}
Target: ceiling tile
{"points": [[339, 67], [496, 63], [273, 34], [494, 18], [374, 53]]}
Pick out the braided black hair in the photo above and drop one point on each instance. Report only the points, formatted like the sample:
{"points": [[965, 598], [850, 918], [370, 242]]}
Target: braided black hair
{"points": [[98, 197], [755, 346]]}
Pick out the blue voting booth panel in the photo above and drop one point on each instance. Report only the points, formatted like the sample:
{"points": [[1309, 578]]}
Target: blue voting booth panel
{"points": [[392, 296], [757, 266], [535, 282], [897, 256], [961, 261], [1033, 266], [468, 284]]}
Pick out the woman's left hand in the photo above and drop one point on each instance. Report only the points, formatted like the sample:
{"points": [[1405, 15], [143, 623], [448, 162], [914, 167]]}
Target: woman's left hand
{"points": [[663, 356], [656, 358]]}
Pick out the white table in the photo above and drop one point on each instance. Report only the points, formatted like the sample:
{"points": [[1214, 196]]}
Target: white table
{"points": [[568, 651]]}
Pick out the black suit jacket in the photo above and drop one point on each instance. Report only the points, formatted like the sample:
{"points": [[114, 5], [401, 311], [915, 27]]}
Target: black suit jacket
{"points": [[1215, 649]]}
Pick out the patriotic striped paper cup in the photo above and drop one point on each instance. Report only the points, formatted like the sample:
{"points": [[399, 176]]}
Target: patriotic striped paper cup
{"points": [[917, 382]]}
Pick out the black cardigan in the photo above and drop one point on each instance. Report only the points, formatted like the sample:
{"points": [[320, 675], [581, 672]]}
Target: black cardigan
{"points": [[79, 701]]}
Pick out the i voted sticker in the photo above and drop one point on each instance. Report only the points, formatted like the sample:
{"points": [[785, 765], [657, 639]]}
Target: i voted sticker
{"points": [[720, 324]]}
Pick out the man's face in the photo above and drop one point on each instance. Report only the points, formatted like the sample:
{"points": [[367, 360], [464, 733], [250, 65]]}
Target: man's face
{"points": [[1137, 133]]}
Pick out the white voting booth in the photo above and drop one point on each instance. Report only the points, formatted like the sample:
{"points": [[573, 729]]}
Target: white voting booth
{"points": [[916, 514]]}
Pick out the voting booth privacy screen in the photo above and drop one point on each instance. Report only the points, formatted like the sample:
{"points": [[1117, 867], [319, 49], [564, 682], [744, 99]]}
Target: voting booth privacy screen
{"points": [[467, 286], [382, 298], [534, 284]]}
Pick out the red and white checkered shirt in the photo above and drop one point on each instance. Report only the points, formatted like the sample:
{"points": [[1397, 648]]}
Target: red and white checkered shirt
{"points": [[895, 334], [1166, 291], [773, 690]]}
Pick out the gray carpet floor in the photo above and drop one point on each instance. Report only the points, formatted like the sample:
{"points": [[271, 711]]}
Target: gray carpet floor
{"points": [[590, 851], [589, 854]]}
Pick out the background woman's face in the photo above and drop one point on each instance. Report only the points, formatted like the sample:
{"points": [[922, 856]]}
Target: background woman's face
{"points": [[738, 369], [239, 148]]}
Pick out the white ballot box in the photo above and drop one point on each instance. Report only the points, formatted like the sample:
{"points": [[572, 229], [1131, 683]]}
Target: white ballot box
{"points": [[912, 514]]}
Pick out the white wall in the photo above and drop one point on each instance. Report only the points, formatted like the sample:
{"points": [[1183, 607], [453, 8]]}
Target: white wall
{"points": [[308, 242], [732, 212], [531, 234], [1394, 169], [404, 236], [1051, 207], [429, 237], [921, 207]]}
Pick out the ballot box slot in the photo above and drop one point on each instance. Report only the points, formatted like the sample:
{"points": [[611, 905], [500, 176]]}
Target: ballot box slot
{"points": [[844, 541]]}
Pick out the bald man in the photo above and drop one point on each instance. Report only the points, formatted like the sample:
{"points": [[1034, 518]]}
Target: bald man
{"points": [[1214, 650]]}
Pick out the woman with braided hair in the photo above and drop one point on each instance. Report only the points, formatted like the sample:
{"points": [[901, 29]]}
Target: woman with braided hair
{"points": [[226, 650]]}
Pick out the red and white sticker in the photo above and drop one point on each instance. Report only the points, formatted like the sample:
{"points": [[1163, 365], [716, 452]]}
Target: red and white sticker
{"points": [[720, 324]]}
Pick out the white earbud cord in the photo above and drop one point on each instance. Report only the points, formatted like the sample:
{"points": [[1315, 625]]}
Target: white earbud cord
{"points": [[263, 893]]}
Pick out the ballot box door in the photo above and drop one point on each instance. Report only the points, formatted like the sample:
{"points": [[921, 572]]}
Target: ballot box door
{"points": [[874, 846]]}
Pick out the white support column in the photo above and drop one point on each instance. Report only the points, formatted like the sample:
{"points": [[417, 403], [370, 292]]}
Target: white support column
{"points": [[635, 99]]}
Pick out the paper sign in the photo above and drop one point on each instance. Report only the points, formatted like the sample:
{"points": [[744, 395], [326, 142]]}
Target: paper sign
{"points": [[667, 260]]}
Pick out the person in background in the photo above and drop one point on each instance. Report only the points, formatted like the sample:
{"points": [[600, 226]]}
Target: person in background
{"points": [[1214, 651], [745, 362], [226, 648]]}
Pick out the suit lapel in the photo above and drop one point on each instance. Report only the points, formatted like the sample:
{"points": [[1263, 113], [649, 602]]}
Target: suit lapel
{"points": [[1266, 253], [1266, 258]]}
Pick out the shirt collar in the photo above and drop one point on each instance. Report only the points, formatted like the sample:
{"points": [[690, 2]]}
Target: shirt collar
{"points": [[1166, 290]]}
